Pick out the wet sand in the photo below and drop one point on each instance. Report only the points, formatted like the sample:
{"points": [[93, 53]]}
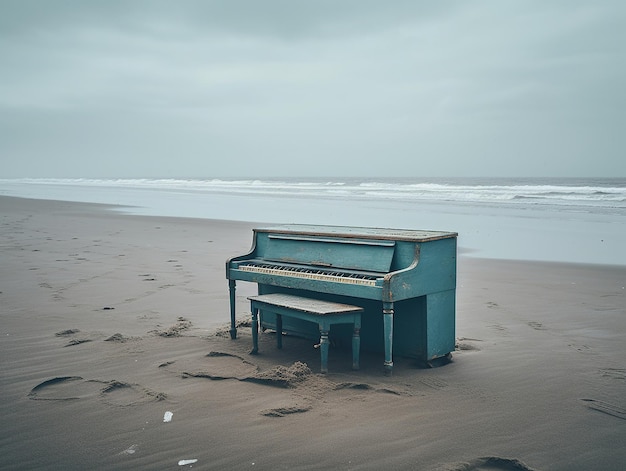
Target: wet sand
{"points": [[114, 354]]}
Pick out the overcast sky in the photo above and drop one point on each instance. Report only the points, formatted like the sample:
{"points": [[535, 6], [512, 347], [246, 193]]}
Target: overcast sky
{"points": [[312, 88]]}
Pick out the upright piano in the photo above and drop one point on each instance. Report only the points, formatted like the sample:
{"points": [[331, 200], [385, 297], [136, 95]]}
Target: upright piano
{"points": [[404, 279]]}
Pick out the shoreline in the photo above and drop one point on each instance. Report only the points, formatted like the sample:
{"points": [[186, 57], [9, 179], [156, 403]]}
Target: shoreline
{"points": [[111, 320]]}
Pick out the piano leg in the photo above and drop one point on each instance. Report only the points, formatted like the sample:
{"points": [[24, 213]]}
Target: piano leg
{"points": [[279, 331], [388, 329], [231, 289], [324, 343], [255, 331], [356, 344]]}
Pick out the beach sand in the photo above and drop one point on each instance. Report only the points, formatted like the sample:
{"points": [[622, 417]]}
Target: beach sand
{"points": [[114, 354]]}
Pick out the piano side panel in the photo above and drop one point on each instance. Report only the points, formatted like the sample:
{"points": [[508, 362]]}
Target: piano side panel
{"points": [[440, 324], [435, 271], [424, 324], [424, 327]]}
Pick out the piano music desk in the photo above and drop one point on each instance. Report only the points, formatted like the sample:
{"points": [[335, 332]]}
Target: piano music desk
{"points": [[323, 313]]}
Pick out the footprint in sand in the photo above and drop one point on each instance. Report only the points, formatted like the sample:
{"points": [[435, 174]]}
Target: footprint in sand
{"points": [[214, 365], [65, 388], [368, 387], [499, 328], [73, 342], [614, 373], [117, 393], [286, 410], [70, 333], [222, 366], [433, 382], [580, 348], [606, 408], [490, 463], [536, 325], [466, 344]]}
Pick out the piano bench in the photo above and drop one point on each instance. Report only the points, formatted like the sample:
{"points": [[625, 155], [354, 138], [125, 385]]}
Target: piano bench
{"points": [[323, 313]]}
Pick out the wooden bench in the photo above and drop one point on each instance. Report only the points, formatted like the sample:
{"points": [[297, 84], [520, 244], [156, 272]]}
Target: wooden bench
{"points": [[323, 313]]}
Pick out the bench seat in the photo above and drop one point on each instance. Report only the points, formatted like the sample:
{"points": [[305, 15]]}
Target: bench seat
{"points": [[323, 313]]}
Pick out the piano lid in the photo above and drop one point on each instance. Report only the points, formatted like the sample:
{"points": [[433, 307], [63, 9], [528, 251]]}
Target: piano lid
{"points": [[358, 232]]}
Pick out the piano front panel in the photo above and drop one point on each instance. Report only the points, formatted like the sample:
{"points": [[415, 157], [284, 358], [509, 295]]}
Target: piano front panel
{"points": [[337, 253]]}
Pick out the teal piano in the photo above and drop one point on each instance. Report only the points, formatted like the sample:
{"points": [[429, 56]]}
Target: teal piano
{"points": [[405, 280]]}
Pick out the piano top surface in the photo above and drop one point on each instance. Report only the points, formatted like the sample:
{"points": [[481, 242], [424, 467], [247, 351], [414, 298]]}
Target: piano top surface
{"points": [[358, 232]]}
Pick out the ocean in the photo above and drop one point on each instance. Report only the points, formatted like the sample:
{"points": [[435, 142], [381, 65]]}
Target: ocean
{"points": [[562, 220]]}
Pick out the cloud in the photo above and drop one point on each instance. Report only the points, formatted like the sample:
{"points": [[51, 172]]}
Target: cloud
{"points": [[278, 87]]}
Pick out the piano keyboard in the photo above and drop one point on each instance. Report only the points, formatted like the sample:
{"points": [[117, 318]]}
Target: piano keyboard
{"points": [[311, 273]]}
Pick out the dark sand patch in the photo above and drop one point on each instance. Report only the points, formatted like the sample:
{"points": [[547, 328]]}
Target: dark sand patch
{"points": [[489, 463]]}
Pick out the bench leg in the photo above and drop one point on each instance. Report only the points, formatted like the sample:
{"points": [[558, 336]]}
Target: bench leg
{"points": [[279, 331], [324, 350], [255, 330], [356, 347]]}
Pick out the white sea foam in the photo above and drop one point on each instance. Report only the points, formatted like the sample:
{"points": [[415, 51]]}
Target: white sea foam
{"points": [[597, 193]]}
